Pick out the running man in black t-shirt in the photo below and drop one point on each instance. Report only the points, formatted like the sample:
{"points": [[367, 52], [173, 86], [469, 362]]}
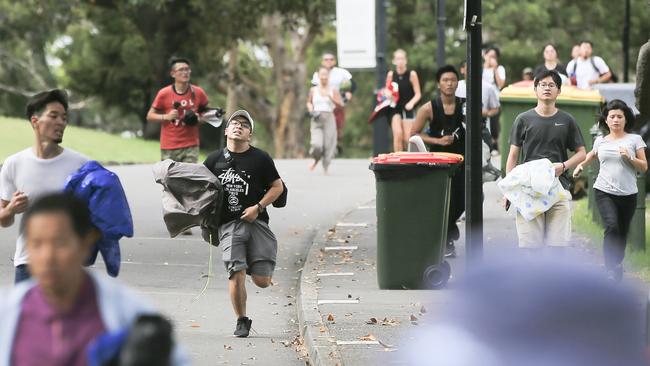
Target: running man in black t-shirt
{"points": [[545, 132], [446, 133], [251, 183]]}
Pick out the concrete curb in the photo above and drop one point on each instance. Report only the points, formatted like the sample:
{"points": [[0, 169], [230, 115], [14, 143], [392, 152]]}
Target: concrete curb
{"points": [[320, 345]]}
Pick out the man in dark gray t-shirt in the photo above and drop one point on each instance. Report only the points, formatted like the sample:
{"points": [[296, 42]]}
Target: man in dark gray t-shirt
{"points": [[545, 132], [549, 138]]}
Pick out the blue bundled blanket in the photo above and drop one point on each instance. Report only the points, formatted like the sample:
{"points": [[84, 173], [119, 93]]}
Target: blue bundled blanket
{"points": [[102, 191]]}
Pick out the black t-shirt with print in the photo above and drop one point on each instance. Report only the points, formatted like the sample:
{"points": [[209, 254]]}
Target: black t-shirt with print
{"points": [[546, 137], [245, 180]]}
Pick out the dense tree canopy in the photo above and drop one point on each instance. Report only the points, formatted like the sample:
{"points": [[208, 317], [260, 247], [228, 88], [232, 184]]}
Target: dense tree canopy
{"points": [[112, 54]]}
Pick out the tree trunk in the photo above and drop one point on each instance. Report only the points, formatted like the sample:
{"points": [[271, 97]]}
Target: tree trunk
{"points": [[289, 77], [232, 101]]}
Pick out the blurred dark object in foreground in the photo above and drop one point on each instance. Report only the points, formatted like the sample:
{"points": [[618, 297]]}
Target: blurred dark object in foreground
{"points": [[148, 343], [535, 314]]}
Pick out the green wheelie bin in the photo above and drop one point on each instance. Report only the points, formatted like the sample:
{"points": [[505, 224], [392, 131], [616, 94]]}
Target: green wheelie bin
{"points": [[413, 191]]}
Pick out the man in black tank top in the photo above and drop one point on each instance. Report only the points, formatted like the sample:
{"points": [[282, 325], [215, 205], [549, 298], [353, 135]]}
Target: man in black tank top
{"points": [[446, 133]]}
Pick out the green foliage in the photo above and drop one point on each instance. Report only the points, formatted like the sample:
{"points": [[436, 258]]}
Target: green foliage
{"points": [[637, 261], [118, 49]]}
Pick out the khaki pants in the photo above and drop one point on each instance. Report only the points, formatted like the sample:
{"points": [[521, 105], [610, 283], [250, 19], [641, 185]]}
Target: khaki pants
{"points": [[323, 138], [552, 228], [183, 155]]}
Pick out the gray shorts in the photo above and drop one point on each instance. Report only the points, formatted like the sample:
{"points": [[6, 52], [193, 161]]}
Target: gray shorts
{"points": [[249, 246]]}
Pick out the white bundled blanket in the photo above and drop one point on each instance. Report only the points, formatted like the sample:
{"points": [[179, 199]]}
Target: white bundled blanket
{"points": [[533, 188]]}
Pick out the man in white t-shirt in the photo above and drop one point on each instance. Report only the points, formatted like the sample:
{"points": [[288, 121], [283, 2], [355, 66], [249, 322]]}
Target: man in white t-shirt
{"points": [[339, 78], [587, 70], [40, 169], [489, 94]]}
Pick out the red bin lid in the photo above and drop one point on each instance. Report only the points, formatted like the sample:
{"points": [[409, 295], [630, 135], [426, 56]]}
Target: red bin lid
{"points": [[418, 157]]}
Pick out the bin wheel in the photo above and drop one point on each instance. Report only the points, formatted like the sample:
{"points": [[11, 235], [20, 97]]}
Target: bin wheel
{"points": [[436, 276]]}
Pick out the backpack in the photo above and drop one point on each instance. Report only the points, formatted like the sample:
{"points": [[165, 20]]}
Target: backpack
{"points": [[613, 79]]}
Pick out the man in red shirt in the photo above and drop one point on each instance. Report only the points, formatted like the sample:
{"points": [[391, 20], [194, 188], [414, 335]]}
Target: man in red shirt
{"points": [[178, 108]]}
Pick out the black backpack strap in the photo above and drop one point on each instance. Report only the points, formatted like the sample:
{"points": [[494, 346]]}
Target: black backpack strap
{"points": [[593, 64], [226, 155]]}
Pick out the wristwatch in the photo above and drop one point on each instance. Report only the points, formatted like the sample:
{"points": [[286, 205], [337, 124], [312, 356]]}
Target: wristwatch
{"points": [[260, 208]]}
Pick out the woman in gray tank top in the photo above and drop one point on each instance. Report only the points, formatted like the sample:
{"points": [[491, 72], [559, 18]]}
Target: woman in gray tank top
{"points": [[621, 154], [320, 104]]}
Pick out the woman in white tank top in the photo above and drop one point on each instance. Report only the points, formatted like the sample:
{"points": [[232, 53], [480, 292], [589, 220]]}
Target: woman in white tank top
{"points": [[320, 103]]}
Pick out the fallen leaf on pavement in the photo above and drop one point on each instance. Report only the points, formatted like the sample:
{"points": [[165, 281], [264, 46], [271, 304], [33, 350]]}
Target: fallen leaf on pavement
{"points": [[330, 317], [195, 325], [423, 310], [391, 322], [372, 321], [323, 329], [367, 337], [227, 347], [413, 318]]}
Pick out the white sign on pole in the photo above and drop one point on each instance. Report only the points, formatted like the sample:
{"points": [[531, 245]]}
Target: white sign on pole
{"points": [[355, 34]]}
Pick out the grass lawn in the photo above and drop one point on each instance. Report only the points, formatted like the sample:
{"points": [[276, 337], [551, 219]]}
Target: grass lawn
{"points": [[101, 146], [637, 261]]}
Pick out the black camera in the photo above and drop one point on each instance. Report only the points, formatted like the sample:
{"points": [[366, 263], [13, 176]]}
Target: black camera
{"points": [[190, 118]]}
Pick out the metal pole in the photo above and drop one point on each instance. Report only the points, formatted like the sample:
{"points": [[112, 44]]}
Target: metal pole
{"points": [[473, 151], [440, 33], [626, 41], [380, 124]]}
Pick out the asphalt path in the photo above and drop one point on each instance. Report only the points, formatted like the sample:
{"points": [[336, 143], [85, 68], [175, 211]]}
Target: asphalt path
{"points": [[172, 272]]}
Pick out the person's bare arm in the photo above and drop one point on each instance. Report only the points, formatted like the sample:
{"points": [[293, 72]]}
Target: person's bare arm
{"points": [[580, 155], [513, 157], [490, 112], [604, 78], [251, 213], [336, 98], [638, 162], [6, 215], [588, 159], [310, 106], [424, 113], [417, 93], [9, 209], [155, 116], [497, 78]]}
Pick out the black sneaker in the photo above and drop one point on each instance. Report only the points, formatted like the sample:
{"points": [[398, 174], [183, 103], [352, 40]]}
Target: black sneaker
{"points": [[243, 327], [450, 250]]}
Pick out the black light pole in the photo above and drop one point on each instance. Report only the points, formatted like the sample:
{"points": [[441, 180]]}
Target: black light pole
{"points": [[473, 151], [380, 124], [626, 41], [440, 52]]}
